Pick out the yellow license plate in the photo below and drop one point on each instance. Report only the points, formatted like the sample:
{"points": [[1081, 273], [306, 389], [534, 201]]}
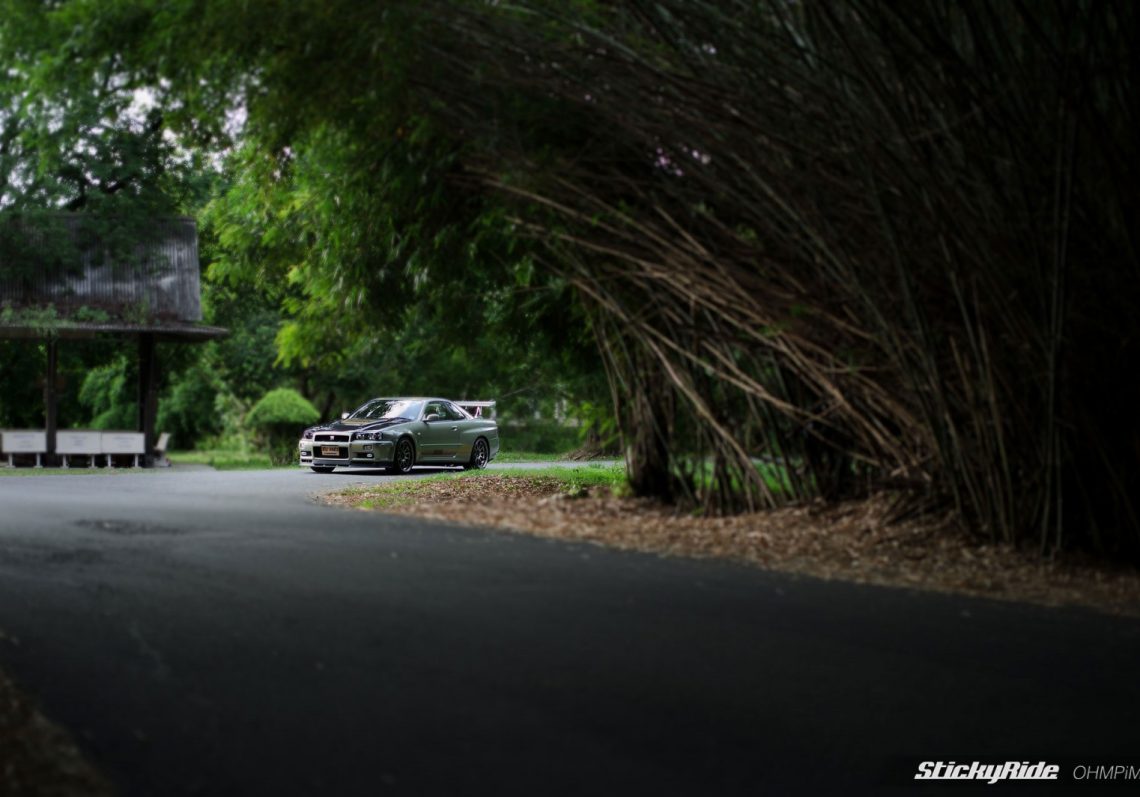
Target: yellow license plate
{"points": [[330, 451]]}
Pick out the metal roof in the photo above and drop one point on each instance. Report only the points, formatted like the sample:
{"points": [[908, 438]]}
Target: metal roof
{"points": [[155, 280], [163, 330]]}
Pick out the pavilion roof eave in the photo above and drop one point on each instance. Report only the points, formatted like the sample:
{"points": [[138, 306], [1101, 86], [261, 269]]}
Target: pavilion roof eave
{"points": [[164, 331]]}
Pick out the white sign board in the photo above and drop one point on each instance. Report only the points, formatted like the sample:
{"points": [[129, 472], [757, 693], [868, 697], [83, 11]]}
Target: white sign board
{"points": [[123, 443], [19, 442], [71, 442]]}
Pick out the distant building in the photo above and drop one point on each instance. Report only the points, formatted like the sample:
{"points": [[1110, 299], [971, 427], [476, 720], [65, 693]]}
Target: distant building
{"points": [[73, 275]]}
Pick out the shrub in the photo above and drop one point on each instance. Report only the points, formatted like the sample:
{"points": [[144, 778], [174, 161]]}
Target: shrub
{"points": [[539, 437], [188, 412], [107, 394], [277, 421]]}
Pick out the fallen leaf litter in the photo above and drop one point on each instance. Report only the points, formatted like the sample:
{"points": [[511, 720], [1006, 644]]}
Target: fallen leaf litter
{"points": [[850, 541]]}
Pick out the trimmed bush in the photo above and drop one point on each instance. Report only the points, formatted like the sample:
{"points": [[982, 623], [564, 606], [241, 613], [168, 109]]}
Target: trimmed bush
{"points": [[277, 421]]}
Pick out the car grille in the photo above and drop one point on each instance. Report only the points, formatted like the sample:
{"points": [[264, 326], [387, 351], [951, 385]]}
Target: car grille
{"points": [[324, 439]]}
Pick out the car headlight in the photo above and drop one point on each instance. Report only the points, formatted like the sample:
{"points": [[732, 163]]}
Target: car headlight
{"points": [[307, 434], [364, 436]]}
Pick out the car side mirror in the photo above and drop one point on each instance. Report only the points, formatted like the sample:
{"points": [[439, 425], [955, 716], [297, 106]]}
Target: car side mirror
{"points": [[431, 417], [343, 415]]}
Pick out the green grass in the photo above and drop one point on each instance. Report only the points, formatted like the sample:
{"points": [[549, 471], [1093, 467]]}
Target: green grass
{"points": [[546, 437], [6, 471], [591, 475], [506, 457], [574, 481], [219, 459], [774, 475], [224, 460]]}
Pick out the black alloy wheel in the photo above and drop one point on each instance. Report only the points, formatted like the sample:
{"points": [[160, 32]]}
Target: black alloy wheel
{"points": [[405, 457], [480, 455]]}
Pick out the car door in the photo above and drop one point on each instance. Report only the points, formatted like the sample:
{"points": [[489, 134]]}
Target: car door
{"points": [[439, 438], [467, 428]]}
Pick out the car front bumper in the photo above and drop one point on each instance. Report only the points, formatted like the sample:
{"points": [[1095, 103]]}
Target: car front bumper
{"points": [[357, 454]]}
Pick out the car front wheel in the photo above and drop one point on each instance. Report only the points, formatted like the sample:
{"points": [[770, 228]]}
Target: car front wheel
{"points": [[480, 455], [405, 457]]}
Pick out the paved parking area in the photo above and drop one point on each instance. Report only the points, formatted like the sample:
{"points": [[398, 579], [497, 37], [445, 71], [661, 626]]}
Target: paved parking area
{"points": [[211, 632]]}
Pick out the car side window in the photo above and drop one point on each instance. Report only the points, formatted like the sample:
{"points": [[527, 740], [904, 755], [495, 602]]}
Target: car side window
{"points": [[434, 407], [453, 413]]}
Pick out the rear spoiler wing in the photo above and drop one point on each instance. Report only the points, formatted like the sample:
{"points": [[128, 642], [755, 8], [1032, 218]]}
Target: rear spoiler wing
{"points": [[480, 409]]}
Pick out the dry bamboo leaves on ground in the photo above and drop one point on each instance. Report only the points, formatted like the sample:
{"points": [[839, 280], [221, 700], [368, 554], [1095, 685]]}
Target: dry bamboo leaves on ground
{"points": [[850, 541]]}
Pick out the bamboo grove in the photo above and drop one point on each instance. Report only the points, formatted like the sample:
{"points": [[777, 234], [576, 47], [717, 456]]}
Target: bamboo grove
{"points": [[889, 245], [826, 248]]}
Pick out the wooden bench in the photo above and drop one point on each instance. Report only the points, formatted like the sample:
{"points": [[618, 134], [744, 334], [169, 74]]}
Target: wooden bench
{"points": [[78, 443], [23, 441], [75, 443], [160, 458], [123, 443]]}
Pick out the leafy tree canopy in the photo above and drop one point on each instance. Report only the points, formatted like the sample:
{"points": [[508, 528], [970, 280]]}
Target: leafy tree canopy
{"points": [[891, 245]]}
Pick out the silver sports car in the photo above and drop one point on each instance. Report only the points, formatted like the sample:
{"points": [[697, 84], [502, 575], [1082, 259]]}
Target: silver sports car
{"points": [[400, 433]]}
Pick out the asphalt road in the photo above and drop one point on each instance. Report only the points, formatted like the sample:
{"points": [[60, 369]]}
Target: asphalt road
{"points": [[218, 633]]}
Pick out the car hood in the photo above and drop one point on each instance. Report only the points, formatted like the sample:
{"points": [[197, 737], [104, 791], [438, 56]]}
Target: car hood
{"points": [[358, 425]]}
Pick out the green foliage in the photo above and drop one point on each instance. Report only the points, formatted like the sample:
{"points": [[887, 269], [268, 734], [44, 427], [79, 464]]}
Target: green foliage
{"points": [[575, 479], [78, 139], [278, 419], [344, 247], [540, 437], [856, 257], [234, 435], [224, 459], [282, 407], [347, 208], [108, 393], [33, 243], [212, 386], [245, 359], [98, 471], [572, 481], [21, 398], [187, 411], [44, 321]]}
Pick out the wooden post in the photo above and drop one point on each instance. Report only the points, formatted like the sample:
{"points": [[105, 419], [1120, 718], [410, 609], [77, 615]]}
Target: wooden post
{"points": [[148, 394], [51, 399]]}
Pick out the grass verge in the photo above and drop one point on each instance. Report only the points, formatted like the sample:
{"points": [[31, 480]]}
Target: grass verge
{"points": [[568, 481], [507, 457], [225, 460], [222, 459], [84, 471]]}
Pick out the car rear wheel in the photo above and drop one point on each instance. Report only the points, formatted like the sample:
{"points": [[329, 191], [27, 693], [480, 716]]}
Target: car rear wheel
{"points": [[405, 456], [480, 455], [323, 468]]}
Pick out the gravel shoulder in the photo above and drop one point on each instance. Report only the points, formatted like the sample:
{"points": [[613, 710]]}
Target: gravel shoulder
{"points": [[37, 757], [852, 541]]}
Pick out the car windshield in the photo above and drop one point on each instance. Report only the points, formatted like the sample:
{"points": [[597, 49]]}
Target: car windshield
{"points": [[389, 408]]}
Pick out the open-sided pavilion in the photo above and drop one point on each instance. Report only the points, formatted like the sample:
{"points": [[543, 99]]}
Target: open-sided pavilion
{"points": [[146, 292]]}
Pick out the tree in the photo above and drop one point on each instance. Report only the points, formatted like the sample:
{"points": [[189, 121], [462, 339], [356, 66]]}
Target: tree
{"points": [[888, 247], [84, 142]]}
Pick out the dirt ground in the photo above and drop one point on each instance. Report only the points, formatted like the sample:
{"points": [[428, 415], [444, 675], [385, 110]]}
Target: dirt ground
{"points": [[37, 758], [850, 541]]}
